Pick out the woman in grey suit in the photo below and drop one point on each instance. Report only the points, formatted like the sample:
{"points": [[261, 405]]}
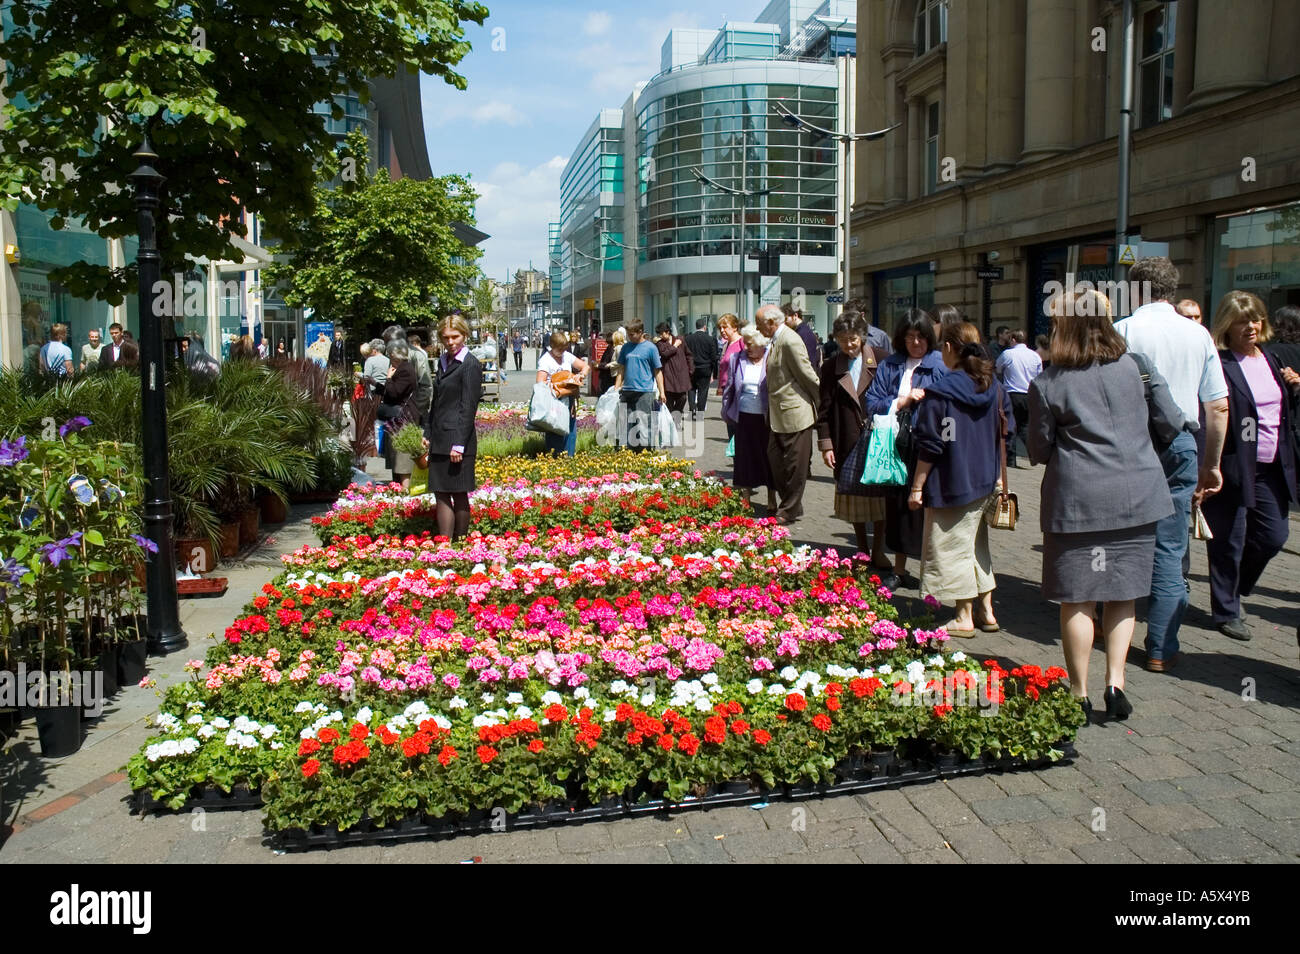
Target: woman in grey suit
{"points": [[450, 432], [1104, 488]]}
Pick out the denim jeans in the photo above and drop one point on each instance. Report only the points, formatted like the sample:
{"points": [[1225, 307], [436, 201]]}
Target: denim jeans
{"points": [[1168, 600]]}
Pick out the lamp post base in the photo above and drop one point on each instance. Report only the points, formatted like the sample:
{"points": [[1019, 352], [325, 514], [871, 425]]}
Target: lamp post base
{"points": [[164, 644]]}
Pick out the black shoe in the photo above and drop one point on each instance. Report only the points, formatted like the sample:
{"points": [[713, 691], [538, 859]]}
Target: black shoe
{"points": [[1117, 705], [891, 581], [1236, 629], [1086, 703]]}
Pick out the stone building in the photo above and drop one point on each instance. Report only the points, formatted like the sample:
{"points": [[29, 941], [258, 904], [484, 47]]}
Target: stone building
{"points": [[1007, 150]]}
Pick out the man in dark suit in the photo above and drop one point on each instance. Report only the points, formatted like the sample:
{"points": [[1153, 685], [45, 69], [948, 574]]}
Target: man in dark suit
{"points": [[794, 319], [110, 356], [703, 349]]}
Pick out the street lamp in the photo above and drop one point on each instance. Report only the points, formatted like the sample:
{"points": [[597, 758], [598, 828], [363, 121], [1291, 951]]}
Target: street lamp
{"points": [[164, 626], [603, 240], [845, 139], [743, 194]]}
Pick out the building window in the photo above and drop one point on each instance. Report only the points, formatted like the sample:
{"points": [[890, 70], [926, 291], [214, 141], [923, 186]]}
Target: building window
{"points": [[931, 24], [931, 179], [1156, 65]]}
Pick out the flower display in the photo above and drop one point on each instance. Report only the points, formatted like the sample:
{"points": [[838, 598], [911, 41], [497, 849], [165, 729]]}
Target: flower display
{"points": [[691, 645]]}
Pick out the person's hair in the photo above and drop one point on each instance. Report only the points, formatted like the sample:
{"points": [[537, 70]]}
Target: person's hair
{"points": [[455, 321], [1019, 336], [1239, 306], [1286, 324], [92, 331], [399, 350], [701, 323], [116, 324], [378, 346], [790, 311], [414, 341], [966, 341], [850, 323], [1183, 303], [364, 349], [635, 327], [662, 327], [750, 335], [618, 338], [1043, 341], [559, 340], [918, 321], [857, 304], [730, 320], [393, 333], [242, 348], [1159, 273], [1082, 332], [59, 331], [946, 314], [1000, 331], [770, 313], [130, 355]]}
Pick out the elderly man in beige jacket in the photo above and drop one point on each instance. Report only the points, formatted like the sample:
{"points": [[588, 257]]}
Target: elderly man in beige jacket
{"points": [[793, 389]]}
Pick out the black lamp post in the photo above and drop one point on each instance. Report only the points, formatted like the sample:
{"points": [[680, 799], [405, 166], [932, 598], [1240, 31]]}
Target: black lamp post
{"points": [[165, 633]]}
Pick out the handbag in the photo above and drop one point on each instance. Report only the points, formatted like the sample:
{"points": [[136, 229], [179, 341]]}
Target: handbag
{"points": [[904, 444], [564, 384], [1004, 509], [883, 466]]}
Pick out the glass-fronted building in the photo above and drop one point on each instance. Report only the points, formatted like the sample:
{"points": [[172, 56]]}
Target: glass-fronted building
{"points": [[710, 114]]}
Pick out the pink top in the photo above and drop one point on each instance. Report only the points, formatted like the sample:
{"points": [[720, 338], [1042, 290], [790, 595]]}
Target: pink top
{"points": [[731, 349], [1268, 404]]}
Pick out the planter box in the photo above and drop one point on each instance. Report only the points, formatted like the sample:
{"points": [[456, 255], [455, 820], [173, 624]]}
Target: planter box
{"points": [[190, 589], [195, 550], [274, 510], [229, 540], [248, 527]]}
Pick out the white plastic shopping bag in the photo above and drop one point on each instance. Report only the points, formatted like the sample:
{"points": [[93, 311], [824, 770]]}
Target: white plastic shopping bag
{"points": [[546, 412]]}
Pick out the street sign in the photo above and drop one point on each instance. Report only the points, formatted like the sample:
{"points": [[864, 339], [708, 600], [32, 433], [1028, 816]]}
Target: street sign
{"points": [[989, 273], [589, 304], [769, 290], [1126, 256], [835, 298]]}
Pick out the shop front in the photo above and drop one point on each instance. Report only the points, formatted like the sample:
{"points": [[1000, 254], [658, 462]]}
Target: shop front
{"points": [[1256, 251], [896, 290]]}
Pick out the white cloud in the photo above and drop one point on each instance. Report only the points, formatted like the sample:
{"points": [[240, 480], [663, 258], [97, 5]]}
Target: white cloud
{"points": [[632, 61], [597, 23], [496, 112], [515, 205]]}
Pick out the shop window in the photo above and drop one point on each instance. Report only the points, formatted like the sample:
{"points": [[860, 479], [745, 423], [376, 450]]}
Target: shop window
{"points": [[1156, 65]]}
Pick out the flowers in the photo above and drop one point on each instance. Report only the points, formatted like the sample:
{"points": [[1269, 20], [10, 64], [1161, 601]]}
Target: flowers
{"points": [[73, 424], [13, 452], [60, 550], [144, 543]]}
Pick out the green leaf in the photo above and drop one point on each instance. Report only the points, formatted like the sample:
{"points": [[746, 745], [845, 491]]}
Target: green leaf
{"points": [[95, 537]]}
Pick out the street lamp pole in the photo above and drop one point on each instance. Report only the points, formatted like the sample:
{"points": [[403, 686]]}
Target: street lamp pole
{"points": [[744, 193], [164, 625], [1125, 136]]}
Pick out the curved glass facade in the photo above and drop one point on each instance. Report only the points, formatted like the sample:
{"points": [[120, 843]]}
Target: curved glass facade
{"points": [[710, 129], [591, 203]]}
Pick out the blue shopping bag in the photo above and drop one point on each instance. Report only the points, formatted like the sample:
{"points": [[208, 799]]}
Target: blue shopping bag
{"points": [[884, 467]]}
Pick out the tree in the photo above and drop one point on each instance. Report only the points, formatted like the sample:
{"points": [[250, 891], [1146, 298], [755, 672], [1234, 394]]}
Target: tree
{"points": [[376, 252], [226, 89], [483, 298]]}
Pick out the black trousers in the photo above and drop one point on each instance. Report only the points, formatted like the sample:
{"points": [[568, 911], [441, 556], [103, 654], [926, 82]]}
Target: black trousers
{"points": [[1245, 539], [519, 360], [700, 382], [1020, 408]]}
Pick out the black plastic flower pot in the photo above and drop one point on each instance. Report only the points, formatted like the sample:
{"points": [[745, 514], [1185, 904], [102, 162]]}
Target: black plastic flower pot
{"points": [[59, 730], [882, 761], [10, 720], [108, 664], [131, 661]]}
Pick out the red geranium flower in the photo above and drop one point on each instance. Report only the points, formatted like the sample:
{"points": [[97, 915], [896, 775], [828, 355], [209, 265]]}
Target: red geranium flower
{"points": [[310, 768], [822, 721], [536, 746], [308, 746], [688, 744], [832, 703], [762, 737], [635, 738], [328, 735], [447, 754], [795, 702], [623, 712], [666, 742], [358, 731], [555, 712], [486, 753], [740, 727]]}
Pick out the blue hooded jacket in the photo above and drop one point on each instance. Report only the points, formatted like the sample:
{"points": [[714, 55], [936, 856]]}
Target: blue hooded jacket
{"points": [[967, 464], [884, 386]]}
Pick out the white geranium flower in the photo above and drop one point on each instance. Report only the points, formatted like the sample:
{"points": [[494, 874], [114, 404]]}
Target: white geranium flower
{"points": [[397, 723], [336, 716], [703, 705], [484, 720], [958, 657], [610, 715], [195, 719], [776, 689], [582, 692], [488, 698], [166, 721], [364, 715], [442, 721], [648, 699], [709, 679], [550, 698], [935, 661], [523, 712], [206, 732], [276, 746], [457, 703], [267, 731], [415, 710], [515, 698], [618, 687], [789, 674], [195, 705], [886, 669], [754, 686], [302, 707]]}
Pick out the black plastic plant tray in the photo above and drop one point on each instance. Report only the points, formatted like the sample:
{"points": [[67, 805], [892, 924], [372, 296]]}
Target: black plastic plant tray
{"points": [[419, 829]]}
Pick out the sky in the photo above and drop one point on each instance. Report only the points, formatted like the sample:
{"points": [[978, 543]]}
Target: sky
{"points": [[554, 67]]}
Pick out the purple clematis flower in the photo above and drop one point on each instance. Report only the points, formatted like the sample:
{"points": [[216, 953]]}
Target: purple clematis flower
{"points": [[59, 550], [11, 574], [11, 452], [144, 543], [73, 424]]}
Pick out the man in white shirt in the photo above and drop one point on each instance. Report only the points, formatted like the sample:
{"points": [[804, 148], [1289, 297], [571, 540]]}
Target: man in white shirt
{"points": [[1017, 367], [56, 356], [1183, 354]]}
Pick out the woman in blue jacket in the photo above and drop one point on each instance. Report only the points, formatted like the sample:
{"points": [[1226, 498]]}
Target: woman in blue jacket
{"points": [[958, 468], [900, 383]]}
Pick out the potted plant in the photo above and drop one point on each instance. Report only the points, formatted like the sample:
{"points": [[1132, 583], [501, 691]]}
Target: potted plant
{"points": [[409, 445]]}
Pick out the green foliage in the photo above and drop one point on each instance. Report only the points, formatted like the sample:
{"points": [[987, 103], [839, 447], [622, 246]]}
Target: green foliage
{"points": [[226, 90], [374, 252]]}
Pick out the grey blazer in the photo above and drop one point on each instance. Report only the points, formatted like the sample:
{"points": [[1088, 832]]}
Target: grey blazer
{"points": [[1089, 426]]}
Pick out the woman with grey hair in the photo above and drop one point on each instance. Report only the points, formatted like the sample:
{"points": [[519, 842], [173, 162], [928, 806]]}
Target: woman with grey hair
{"points": [[744, 405], [376, 366], [398, 407]]}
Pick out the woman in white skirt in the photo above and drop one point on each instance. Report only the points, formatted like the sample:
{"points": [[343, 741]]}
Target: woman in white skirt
{"points": [[959, 425]]}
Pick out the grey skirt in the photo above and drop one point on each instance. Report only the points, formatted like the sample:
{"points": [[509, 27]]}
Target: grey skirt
{"points": [[1099, 566]]}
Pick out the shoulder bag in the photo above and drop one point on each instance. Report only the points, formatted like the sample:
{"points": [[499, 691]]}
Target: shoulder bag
{"points": [[1004, 509], [1162, 429]]}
